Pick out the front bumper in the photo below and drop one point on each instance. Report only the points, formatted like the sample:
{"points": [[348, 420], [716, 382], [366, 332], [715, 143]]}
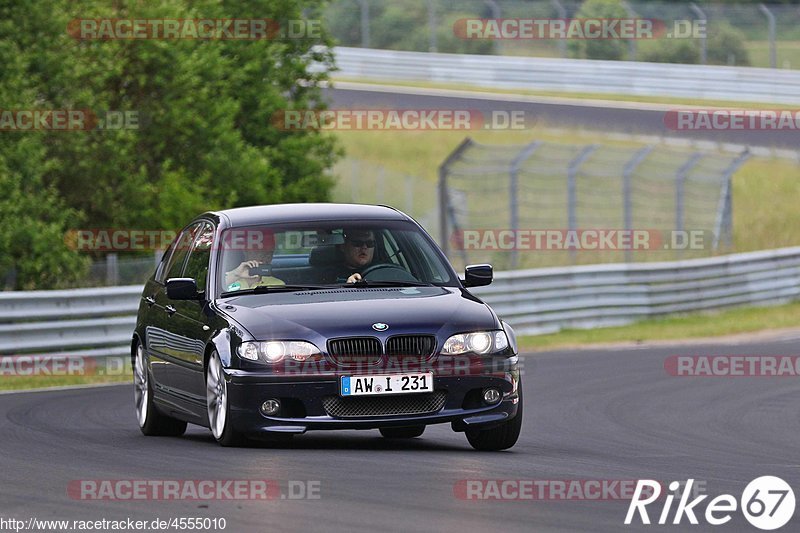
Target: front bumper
{"points": [[303, 398]]}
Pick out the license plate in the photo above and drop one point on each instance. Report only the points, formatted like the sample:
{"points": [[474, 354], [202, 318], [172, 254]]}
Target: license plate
{"points": [[386, 384]]}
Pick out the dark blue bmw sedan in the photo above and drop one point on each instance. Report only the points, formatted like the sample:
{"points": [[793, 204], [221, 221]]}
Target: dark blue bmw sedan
{"points": [[270, 321]]}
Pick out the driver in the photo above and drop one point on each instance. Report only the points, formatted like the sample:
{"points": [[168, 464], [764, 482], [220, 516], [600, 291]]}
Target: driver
{"points": [[358, 250]]}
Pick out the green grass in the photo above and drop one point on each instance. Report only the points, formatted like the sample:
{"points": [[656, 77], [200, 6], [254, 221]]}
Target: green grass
{"points": [[689, 326], [765, 190], [21, 382], [788, 54], [40, 382]]}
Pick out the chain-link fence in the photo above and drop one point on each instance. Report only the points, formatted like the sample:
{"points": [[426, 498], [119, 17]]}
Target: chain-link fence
{"points": [[548, 204], [362, 182], [764, 35]]}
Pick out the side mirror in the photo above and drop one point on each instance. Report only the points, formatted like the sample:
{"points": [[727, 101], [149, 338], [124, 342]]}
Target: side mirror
{"points": [[182, 289], [478, 275]]}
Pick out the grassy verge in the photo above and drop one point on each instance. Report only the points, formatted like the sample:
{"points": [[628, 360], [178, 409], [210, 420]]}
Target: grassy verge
{"points": [[19, 376], [765, 190], [578, 96], [689, 326]]}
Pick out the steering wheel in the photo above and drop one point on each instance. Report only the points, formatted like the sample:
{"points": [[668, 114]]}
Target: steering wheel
{"points": [[387, 272]]}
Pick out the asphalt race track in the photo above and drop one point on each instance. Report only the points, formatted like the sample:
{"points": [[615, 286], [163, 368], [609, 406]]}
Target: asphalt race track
{"points": [[609, 116], [601, 415]]}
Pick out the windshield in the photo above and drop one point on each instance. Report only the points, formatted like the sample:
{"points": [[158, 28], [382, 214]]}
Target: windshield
{"points": [[313, 255]]}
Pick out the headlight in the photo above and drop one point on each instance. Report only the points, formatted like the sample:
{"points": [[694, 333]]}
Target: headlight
{"points": [[479, 342], [276, 351]]}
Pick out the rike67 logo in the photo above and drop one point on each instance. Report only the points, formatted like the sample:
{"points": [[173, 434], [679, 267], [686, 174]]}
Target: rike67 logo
{"points": [[767, 503]]}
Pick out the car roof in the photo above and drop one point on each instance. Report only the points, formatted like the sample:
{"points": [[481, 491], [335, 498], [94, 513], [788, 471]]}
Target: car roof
{"points": [[261, 214]]}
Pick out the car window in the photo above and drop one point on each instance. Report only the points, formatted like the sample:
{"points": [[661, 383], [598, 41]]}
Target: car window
{"points": [[330, 252], [180, 251], [199, 256], [161, 271]]}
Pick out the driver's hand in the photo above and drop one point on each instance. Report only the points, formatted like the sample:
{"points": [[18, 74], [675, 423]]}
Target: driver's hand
{"points": [[353, 278], [243, 270]]}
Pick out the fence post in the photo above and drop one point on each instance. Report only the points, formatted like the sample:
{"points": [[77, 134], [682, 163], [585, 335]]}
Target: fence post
{"points": [[724, 220], [701, 16], [364, 4], [773, 55], [572, 191], [627, 175], [513, 189], [112, 269], [444, 199], [432, 37], [562, 14], [680, 179], [410, 195], [497, 15], [631, 42]]}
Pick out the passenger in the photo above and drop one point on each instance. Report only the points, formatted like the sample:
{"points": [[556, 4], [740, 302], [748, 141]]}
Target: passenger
{"points": [[240, 278]]}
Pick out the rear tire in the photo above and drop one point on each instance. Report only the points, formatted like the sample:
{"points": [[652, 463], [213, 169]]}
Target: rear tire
{"points": [[403, 432], [151, 422], [500, 437]]}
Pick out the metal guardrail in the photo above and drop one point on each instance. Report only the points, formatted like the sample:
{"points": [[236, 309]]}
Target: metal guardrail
{"points": [[80, 322], [548, 300], [745, 84], [94, 322]]}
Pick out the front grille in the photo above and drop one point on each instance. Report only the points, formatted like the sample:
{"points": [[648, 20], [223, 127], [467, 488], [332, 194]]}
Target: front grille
{"points": [[403, 345], [403, 404], [355, 350]]}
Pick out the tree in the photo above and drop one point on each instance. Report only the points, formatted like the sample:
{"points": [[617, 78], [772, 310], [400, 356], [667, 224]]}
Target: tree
{"points": [[204, 138]]}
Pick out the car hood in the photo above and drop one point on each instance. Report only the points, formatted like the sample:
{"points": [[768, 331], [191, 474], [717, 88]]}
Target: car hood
{"points": [[352, 312]]}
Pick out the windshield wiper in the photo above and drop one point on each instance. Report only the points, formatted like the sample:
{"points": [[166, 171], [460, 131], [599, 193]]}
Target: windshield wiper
{"points": [[263, 289]]}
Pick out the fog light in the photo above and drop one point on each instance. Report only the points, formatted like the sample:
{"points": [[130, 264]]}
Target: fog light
{"points": [[491, 396], [271, 407]]}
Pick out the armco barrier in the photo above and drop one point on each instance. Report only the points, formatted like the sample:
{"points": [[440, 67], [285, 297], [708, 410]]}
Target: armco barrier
{"points": [[743, 84], [548, 300], [100, 321]]}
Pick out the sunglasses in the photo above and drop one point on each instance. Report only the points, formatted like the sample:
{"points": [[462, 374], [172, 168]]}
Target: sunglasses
{"points": [[357, 243]]}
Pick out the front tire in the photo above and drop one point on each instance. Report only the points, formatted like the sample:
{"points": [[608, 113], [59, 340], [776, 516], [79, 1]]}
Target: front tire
{"points": [[403, 432], [500, 437], [218, 406], [151, 422]]}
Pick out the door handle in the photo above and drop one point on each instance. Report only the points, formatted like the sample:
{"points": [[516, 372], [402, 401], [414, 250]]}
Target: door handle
{"points": [[170, 310], [150, 301]]}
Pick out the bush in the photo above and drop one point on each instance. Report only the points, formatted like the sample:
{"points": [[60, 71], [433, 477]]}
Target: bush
{"points": [[669, 51], [725, 45], [599, 48]]}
